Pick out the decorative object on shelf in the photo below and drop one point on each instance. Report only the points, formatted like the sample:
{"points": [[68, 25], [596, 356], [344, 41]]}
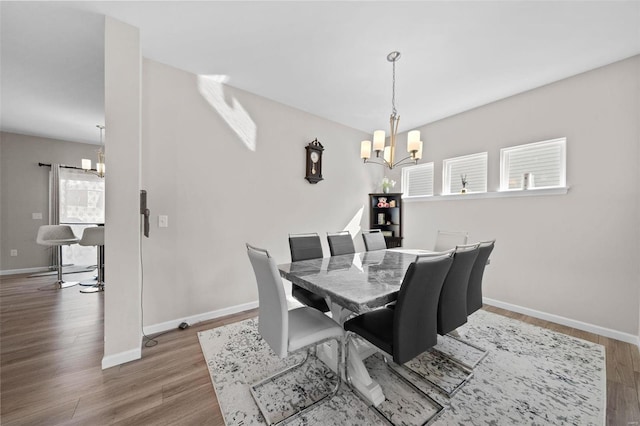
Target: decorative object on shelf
{"points": [[86, 163], [463, 178], [314, 161], [380, 218], [382, 202], [392, 203], [387, 184], [414, 144], [527, 181]]}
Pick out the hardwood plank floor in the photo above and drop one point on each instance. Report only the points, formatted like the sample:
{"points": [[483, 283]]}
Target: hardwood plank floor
{"points": [[51, 353]]}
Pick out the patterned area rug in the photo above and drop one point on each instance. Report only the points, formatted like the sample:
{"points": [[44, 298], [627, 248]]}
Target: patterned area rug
{"points": [[530, 376]]}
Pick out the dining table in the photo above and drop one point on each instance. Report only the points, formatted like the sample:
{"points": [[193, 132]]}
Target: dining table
{"points": [[353, 284]]}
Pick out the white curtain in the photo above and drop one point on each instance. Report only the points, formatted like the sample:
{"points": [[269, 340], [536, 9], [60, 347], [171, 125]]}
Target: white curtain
{"points": [[80, 203]]}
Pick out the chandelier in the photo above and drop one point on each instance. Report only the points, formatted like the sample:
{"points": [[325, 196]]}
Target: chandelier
{"points": [[414, 144], [86, 163]]}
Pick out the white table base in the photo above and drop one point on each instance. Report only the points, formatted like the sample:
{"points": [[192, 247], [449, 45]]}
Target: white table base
{"points": [[359, 350]]}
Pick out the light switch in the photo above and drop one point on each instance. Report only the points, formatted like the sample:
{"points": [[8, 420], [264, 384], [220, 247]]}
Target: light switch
{"points": [[163, 221], [36, 216]]}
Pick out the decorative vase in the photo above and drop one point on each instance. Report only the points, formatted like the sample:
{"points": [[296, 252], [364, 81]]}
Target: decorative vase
{"points": [[385, 189]]}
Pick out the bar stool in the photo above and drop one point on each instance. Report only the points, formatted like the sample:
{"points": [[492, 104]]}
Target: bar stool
{"points": [[57, 235], [94, 236]]}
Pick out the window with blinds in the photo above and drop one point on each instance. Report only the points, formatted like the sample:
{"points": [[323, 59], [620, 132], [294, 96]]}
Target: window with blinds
{"points": [[543, 163], [417, 181], [471, 168]]}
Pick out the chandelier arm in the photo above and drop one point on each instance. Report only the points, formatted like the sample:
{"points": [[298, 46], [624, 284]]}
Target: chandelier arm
{"points": [[382, 163], [407, 159]]}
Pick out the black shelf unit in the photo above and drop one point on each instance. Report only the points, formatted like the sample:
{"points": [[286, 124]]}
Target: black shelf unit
{"points": [[387, 219]]}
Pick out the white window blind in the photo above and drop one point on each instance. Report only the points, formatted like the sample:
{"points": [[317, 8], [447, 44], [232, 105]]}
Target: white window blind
{"points": [[472, 167], [417, 181], [544, 161]]}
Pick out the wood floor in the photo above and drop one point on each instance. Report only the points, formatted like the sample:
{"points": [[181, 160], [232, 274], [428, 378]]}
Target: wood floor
{"points": [[51, 352]]}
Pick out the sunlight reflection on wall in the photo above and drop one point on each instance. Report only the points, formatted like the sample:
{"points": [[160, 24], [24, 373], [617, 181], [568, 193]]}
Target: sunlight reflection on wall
{"points": [[354, 224], [211, 87]]}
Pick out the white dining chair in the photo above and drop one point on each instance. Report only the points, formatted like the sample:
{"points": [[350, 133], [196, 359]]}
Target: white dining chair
{"points": [[288, 331], [446, 240]]}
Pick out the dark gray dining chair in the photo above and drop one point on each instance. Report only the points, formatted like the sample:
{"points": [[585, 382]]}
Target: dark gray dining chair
{"points": [[288, 331], [474, 290], [411, 328], [452, 306], [474, 293], [374, 240], [305, 247], [340, 243]]}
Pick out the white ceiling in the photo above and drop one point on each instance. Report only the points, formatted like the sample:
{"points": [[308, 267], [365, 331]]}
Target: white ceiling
{"points": [[327, 58]]}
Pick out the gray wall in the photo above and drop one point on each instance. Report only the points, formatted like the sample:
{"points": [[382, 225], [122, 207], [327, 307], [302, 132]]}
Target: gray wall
{"points": [[25, 190], [576, 255], [219, 194]]}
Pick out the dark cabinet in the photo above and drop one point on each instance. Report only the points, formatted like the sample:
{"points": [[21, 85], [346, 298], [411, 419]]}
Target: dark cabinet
{"points": [[385, 214]]}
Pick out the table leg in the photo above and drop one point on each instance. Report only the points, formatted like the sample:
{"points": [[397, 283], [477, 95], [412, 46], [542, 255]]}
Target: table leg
{"points": [[358, 352]]}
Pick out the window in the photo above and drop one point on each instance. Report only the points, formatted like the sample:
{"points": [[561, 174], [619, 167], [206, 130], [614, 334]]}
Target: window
{"points": [[470, 168], [417, 181], [545, 162]]}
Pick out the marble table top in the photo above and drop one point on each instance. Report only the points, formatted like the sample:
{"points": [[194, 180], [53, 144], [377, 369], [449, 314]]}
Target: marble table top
{"points": [[358, 282]]}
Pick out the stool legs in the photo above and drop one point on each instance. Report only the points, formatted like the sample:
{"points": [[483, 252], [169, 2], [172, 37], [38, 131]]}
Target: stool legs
{"points": [[60, 283], [99, 285]]}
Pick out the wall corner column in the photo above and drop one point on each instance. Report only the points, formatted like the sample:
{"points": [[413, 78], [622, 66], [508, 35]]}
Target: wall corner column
{"points": [[123, 107]]}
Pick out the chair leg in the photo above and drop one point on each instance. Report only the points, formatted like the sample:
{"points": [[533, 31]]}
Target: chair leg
{"points": [[98, 285], [449, 394], [439, 407], [470, 366], [436, 404], [306, 409], [60, 283]]}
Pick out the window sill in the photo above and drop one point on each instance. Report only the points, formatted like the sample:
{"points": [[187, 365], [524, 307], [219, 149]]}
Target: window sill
{"points": [[498, 194]]}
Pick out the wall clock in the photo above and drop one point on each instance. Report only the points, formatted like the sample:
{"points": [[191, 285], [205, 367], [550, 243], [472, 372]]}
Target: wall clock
{"points": [[314, 161]]}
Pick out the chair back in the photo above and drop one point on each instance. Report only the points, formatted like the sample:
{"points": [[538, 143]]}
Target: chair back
{"points": [[273, 323], [446, 240], [93, 236], [374, 240], [474, 291], [452, 305], [415, 313], [49, 234], [340, 243], [305, 246]]}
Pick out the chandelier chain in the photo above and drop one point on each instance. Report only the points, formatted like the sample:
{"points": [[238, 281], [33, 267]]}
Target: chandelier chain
{"points": [[393, 91]]}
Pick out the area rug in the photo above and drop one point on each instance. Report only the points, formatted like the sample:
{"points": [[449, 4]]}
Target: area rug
{"points": [[531, 375]]}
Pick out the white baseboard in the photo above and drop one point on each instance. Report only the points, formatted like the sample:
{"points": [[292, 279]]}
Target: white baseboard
{"points": [[194, 319], [591, 328], [121, 358], [25, 270]]}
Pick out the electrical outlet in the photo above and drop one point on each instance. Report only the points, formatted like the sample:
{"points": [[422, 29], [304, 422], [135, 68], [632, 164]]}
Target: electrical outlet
{"points": [[14, 252], [163, 221]]}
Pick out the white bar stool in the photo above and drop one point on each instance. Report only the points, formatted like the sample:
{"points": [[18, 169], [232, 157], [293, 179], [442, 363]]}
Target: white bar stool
{"points": [[94, 236], [57, 235]]}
